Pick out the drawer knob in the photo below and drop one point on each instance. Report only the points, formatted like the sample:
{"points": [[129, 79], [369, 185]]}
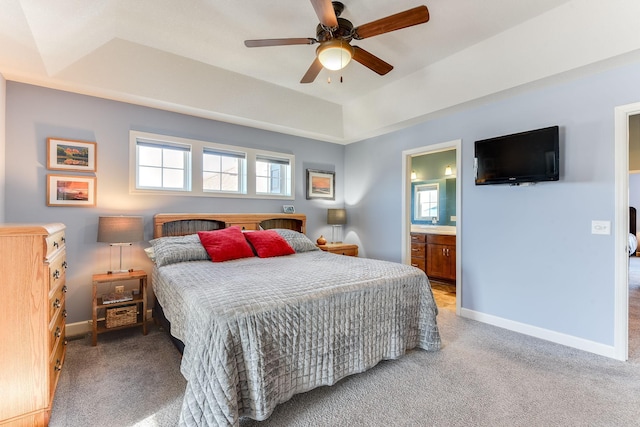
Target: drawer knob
{"points": [[56, 274], [64, 264], [56, 303], [58, 332], [64, 313], [63, 239], [55, 244], [64, 289], [58, 366]]}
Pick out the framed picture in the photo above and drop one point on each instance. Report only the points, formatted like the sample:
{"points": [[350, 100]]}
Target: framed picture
{"points": [[321, 184], [288, 209], [71, 190], [69, 155]]}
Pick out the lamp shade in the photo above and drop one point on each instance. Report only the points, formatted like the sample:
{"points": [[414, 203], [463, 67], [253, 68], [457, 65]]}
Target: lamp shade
{"points": [[334, 54], [120, 229], [336, 216]]}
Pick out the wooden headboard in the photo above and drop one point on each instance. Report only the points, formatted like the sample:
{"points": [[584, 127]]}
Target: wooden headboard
{"points": [[177, 224]]}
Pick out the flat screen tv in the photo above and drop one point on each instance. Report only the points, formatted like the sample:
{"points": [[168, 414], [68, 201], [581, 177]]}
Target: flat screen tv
{"points": [[525, 157]]}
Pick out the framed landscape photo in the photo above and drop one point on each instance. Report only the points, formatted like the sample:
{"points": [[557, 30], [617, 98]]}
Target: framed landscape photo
{"points": [[71, 190], [69, 155], [321, 184]]}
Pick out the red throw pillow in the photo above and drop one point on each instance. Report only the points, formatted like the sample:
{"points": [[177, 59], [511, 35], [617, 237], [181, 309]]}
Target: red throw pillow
{"points": [[226, 244], [268, 243]]}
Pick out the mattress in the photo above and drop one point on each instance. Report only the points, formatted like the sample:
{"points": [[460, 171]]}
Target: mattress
{"points": [[259, 330]]}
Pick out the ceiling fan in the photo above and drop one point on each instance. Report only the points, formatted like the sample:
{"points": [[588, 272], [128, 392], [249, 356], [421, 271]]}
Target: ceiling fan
{"points": [[334, 34]]}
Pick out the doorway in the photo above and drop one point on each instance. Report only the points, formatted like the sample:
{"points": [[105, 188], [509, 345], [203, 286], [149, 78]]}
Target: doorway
{"points": [[407, 191], [621, 274]]}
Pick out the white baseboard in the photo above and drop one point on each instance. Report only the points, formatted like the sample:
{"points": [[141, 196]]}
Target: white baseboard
{"points": [[545, 334], [85, 327]]}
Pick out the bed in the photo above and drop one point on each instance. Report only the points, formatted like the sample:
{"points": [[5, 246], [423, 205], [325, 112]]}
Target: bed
{"points": [[258, 329]]}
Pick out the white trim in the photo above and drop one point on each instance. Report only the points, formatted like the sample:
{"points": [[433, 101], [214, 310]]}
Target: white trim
{"points": [[621, 229], [545, 334], [406, 205]]}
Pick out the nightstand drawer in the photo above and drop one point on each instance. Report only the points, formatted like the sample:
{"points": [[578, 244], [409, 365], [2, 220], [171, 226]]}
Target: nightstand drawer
{"points": [[347, 251], [340, 249]]}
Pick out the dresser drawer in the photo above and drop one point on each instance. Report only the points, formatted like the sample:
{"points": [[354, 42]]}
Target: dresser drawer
{"points": [[55, 242], [55, 362], [57, 270], [56, 301], [57, 327]]}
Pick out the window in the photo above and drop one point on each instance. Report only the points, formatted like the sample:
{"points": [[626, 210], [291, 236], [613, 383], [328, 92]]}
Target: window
{"points": [[163, 166], [160, 164], [426, 202], [273, 176], [223, 171]]}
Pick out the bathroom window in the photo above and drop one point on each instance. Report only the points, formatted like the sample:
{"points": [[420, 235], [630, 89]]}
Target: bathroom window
{"points": [[426, 202]]}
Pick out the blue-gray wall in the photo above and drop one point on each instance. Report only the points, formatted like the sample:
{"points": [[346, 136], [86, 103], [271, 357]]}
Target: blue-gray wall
{"points": [[35, 113], [528, 254]]}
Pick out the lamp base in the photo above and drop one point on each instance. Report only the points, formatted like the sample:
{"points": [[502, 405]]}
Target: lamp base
{"points": [[336, 234]]}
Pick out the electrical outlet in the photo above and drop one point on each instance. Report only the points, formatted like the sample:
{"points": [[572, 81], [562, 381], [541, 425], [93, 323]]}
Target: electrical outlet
{"points": [[119, 289]]}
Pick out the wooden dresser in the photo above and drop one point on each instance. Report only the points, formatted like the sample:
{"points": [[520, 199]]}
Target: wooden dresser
{"points": [[32, 316], [435, 254]]}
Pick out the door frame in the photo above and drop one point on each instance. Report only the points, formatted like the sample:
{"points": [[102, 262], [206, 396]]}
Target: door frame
{"points": [[407, 155], [621, 254]]}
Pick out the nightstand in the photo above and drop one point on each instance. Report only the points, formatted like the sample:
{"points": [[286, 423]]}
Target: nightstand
{"points": [[340, 248], [132, 313]]}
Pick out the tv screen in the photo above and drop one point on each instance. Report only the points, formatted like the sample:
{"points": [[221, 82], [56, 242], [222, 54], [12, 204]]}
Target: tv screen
{"points": [[524, 157]]}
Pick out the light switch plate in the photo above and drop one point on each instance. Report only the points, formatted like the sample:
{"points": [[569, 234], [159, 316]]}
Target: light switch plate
{"points": [[600, 227]]}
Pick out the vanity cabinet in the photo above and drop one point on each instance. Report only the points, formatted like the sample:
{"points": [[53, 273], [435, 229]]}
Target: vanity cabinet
{"points": [[435, 254]]}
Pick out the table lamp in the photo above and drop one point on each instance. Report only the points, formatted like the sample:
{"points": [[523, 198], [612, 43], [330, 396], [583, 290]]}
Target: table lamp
{"points": [[120, 231], [336, 217]]}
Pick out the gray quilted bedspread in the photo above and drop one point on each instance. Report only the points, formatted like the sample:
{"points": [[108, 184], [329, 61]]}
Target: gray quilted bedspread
{"points": [[257, 331]]}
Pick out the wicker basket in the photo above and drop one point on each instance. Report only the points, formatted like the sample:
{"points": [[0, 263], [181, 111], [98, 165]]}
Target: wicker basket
{"points": [[121, 316]]}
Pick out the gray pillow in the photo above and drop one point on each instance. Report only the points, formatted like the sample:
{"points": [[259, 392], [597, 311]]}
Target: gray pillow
{"points": [[298, 241], [173, 249]]}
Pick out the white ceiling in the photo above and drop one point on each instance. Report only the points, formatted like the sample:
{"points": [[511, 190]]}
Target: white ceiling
{"points": [[190, 57]]}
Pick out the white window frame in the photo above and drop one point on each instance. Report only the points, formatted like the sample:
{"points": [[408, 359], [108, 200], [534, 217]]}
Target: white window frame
{"points": [[242, 172], [196, 167], [417, 207], [284, 181], [186, 164]]}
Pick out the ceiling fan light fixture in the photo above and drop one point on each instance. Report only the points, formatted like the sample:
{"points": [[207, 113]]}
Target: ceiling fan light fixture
{"points": [[334, 54]]}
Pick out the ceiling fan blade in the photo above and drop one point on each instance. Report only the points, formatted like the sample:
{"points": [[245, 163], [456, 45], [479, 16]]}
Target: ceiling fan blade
{"points": [[371, 61], [325, 12], [408, 18], [278, 42], [312, 72]]}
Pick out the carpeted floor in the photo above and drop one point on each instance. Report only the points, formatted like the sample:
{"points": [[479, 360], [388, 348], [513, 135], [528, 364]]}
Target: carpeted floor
{"points": [[483, 376]]}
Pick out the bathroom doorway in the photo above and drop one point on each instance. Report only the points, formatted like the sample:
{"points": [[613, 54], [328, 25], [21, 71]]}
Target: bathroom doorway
{"points": [[431, 218]]}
